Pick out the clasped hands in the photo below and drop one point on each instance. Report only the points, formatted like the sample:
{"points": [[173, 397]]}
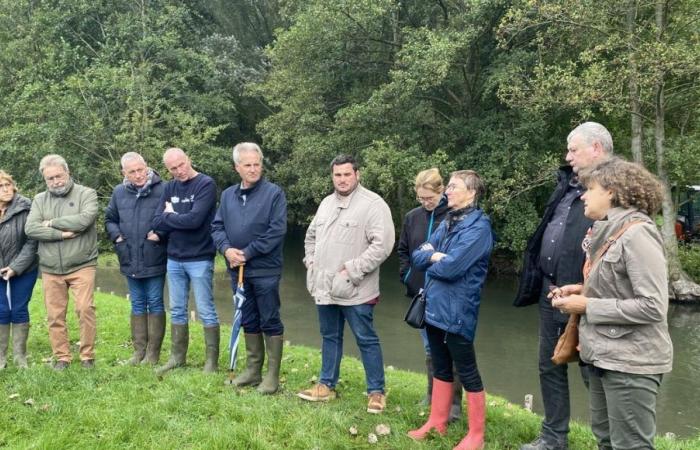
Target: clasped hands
{"points": [[568, 298], [235, 257]]}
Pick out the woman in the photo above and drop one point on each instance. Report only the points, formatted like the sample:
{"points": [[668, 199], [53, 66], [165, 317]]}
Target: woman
{"points": [[455, 261], [18, 271], [623, 331], [420, 223]]}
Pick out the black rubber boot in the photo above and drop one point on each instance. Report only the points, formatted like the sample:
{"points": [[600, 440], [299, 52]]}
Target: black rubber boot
{"points": [[274, 346], [156, 331], [139, 337], [180, 336], [211, 342], [255, 355]]}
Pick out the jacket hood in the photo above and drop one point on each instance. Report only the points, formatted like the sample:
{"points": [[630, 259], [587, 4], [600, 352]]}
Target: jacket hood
{"points": [[17, 205], [155, 179]]}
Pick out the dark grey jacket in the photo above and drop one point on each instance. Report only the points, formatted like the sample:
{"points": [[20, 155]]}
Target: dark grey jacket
{"points": [[130, 215], [16, 250]]}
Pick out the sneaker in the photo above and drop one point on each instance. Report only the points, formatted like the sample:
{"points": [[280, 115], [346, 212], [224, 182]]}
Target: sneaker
{"points": [[317, 393], [60, 365], [377, 403], [88, 363]]}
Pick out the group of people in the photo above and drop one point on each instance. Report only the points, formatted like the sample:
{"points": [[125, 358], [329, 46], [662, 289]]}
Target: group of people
{"points": [[596, 253]]}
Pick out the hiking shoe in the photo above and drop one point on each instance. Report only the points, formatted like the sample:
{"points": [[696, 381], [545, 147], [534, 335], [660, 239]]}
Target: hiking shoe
{"points": [[541, 444], [377, 403], [88, 363], [317, 393], [60, 365]]}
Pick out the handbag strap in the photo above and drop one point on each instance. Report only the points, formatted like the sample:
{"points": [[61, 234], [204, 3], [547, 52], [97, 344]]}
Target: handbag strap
{"points": [[588, 265]]}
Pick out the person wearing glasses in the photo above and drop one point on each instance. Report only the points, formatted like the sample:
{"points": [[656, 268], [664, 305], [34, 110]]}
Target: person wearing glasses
{"points": [[418, 225], [18, 271], [455, 260], [62, 220]]}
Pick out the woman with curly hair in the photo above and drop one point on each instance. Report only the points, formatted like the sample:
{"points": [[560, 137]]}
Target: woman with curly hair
{"points": [[623, 303]]}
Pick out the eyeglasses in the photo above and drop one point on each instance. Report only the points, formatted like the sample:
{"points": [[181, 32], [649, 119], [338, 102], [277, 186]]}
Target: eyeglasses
{"points": [[426, 199], [454, 187], [58, 177]]}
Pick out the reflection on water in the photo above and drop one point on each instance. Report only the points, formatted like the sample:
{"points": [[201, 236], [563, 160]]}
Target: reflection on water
{"points": [[506, 339]]}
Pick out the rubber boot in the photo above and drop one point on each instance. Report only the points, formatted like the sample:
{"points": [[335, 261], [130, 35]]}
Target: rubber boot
{"points": [[255, 354], [20, 333], [156, 331], [456, 408], [4, 341], [211, 342], [439, 411], [139, 337], [274, 346], [429, 373], [180, 337], [474, 440]]}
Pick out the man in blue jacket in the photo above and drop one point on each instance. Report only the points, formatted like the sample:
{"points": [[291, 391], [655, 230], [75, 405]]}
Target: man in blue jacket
{"points": [[141, 253], [184, 216], [249, 230]]}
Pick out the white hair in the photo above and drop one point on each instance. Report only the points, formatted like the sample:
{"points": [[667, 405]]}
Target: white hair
{"points": [[593, 132], [246, 147], [131, 156], [53, 160]]}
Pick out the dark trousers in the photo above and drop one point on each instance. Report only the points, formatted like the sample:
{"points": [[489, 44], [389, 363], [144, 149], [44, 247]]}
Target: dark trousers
{"points": [[16, 308], [554, 381], [261, 309], [448, 350]]}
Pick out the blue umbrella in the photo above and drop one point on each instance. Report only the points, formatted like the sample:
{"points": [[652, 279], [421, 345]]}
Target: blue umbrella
{"points": [[238, 300]]}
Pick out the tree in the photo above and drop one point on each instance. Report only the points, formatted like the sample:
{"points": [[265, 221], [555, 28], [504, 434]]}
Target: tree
{"points": [[615, 60]]}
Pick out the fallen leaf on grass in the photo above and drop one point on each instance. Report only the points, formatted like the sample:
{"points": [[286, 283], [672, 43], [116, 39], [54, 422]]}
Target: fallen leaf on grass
{"points": [[353, 430], [397, 409], [13, 396], [382, 430], [372, 438], [294, 370], [422, 413], [45, 407], [29, 402]]}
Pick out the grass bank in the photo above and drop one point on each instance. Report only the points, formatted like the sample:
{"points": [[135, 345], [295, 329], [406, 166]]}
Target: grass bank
{"points": [[118, 406]]}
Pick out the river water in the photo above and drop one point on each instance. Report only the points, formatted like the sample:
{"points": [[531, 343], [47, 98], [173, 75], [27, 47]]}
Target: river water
{"points": [[506, 339]]}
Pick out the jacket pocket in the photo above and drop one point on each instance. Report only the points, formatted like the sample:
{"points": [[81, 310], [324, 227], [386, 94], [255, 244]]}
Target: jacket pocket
{"points": [[342, 287], [153, 253], [346, 231], [310, 279], [123, 250]]}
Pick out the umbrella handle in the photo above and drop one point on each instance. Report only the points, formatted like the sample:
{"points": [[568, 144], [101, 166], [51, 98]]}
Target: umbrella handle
{"points": [[240, 274]]}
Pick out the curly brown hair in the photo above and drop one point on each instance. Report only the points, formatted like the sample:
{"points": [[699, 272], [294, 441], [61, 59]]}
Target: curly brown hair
{"points": [[631, 184]]}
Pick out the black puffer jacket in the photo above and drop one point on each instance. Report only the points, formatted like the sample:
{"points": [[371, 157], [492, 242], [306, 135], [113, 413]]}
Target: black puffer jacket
{"points": [[418, 225], [130, 215], [16, 250], [571, 259]]}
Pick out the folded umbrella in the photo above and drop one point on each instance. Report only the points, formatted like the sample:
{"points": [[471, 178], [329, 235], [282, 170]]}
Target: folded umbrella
{"points": [[238, 300]]}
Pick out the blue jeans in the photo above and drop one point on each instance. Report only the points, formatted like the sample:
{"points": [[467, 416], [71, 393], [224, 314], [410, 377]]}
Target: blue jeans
{"points": [[261, 309], [200, 274], [21, 287], [332, 321], [146, 295]]}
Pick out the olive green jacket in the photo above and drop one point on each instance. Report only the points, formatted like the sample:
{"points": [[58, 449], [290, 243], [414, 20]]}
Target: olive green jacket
{"points": [[625, 326], [75, 211]]}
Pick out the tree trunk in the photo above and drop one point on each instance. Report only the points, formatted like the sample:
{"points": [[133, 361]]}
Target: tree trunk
{"points": [[681, 287], [633, 86]]}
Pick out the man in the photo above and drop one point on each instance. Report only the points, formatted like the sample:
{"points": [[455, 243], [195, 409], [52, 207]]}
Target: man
{"points": [[186, 209], [554, 257], [350, 236], [62, 220], [249, 230], [141, 253]]}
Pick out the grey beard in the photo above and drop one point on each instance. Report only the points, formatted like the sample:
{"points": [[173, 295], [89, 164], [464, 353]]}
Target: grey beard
{"points": [[60, 192]]}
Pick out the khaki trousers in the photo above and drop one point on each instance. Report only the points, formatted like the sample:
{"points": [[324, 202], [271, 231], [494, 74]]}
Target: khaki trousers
{"points": [[82, 284]]}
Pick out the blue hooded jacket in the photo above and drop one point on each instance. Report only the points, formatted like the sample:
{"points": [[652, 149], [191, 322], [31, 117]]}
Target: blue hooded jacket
{"points": [[453, 284]]}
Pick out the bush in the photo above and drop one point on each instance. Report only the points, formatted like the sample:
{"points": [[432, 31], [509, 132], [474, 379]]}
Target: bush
{"points": [[690, 260]]}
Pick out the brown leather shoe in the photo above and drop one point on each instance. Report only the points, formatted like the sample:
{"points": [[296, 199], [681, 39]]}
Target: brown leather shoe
{"points": [[60, 365], [377, 403], [88, 363]]}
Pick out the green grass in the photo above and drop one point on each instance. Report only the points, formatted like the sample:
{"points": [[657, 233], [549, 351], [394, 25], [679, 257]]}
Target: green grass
{"points": [[118, 406]]}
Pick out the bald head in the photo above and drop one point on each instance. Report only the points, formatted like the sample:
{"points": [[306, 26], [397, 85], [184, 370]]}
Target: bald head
{"points": [[178, 164]]}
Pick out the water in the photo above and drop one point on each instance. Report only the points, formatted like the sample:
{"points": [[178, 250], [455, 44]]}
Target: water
{"points": [[506, 340]]}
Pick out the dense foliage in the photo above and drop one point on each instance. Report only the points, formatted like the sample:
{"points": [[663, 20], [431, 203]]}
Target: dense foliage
{"points": [[492, 85]]}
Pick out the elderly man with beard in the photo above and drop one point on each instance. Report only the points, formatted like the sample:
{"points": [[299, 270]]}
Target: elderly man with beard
{"points": [[141, 252], [62, 220]]}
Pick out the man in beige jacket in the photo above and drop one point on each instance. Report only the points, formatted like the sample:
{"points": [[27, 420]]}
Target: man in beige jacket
{"points": [[348, 239]]}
